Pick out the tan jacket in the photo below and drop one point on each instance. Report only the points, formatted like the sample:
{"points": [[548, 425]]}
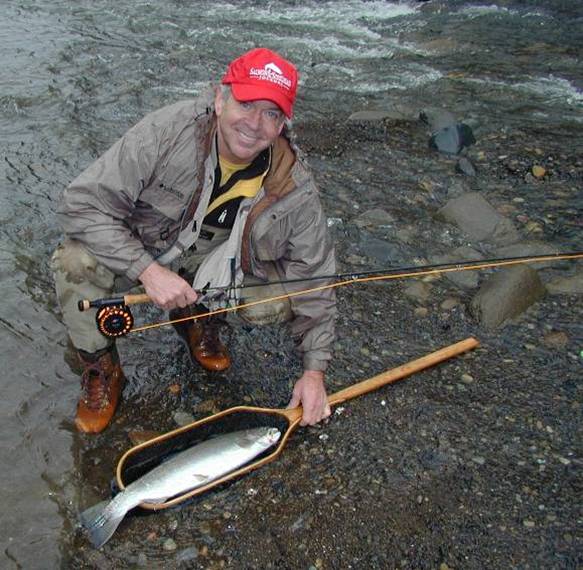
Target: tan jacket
{"points": [[131, 204]]}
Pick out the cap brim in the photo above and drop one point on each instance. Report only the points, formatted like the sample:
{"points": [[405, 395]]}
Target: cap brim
{"points": [[243, 92]]}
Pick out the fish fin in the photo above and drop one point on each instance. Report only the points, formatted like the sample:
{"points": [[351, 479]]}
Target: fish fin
{"points": [[101, 521]]}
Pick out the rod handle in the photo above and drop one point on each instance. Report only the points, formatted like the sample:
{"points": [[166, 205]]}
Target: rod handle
{"points": [[86, 304]]}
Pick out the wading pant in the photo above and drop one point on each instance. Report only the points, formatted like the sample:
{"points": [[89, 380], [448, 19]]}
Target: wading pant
{"points": [[78, 275]]}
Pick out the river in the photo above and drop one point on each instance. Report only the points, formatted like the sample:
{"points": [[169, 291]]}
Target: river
{"points": [[76, 75]]}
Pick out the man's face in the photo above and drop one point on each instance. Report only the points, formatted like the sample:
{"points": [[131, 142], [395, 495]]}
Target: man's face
{"points": [[245, 129]]}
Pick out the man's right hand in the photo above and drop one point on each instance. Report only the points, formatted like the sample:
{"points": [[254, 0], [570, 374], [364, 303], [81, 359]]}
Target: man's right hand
{"points": [[167, 289]]}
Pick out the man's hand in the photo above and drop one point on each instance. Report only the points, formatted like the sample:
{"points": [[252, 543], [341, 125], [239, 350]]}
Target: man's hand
{"points": [[166, 289], [309, 391]]}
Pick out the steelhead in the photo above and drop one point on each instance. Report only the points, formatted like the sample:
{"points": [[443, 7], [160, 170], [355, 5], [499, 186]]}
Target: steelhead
{"points": [[187, 470]]}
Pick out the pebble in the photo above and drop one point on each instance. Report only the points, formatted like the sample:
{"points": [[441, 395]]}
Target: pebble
{"points": [[556, 339], [538, 171], [467, 378], [479, 460], [169, 545], [449, 304], [182, 418], [421, 311], [187, 554], [528, 523], [466, 167]]}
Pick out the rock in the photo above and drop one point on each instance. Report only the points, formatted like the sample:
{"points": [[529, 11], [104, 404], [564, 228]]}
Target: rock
{"points": [[137, 437], [190, 553], [418, 291], [437, 118], [169, 545], [526, 248], [449, 304], [556, 339], [478, 219], [465, 166], [538, 171], [567, 285], [379, 115], [464, 279], [374, 218], [380, 250], [421, 312], [447, 135], [182, 418], [451, 140], [506, 294]]}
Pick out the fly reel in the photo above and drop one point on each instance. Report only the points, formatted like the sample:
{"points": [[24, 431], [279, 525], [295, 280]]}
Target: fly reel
{"points": [[114, 320]]}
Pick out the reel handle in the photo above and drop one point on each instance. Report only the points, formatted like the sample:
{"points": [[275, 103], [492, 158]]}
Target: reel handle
{"points": [[85, 304]]}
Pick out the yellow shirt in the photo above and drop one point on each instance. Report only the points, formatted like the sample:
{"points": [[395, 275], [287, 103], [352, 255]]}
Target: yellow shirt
{"points": [[246, 188]]}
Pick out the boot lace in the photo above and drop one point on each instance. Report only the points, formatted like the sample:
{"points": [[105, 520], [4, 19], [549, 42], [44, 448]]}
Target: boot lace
{"points": [[94, 385], [210, 341]]}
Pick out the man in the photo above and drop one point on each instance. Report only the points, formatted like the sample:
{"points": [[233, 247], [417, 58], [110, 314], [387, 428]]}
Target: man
{"points": [[210, 190]]}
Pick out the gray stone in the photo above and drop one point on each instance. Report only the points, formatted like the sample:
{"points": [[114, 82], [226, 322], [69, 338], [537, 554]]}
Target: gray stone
{"points": [[190, 553], [418, 291], [169, 545], [465, 166], [506, 295], [478, 219], [463, 279], [396, 112], [374, 218], [380, 250], [567, 285], [526, 248], [182, 418], [371, 115], [437, 118]]}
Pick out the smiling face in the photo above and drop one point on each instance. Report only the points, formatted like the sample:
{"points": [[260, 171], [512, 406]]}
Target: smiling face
{"points": [[245, 129]]}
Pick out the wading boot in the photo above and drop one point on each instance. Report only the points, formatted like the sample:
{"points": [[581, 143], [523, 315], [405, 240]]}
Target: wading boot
{"points": [[201, 338], [101, 384]]}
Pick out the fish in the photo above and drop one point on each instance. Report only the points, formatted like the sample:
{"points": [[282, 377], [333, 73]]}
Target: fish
{"points": [[185, 471]]}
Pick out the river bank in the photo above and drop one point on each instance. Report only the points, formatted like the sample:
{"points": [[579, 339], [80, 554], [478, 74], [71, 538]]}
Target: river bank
{"points": [[471, 464]]}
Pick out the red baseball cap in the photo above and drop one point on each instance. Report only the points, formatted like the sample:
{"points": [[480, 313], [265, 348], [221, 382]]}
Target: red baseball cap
{"points": [[263, 74]]}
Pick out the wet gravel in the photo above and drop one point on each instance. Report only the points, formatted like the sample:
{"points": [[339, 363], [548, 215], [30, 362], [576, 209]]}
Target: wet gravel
{"points": [[472, 464]]}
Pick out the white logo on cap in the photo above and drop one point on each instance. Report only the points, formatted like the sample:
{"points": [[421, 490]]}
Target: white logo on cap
{"points": [[272, 73], [273, 68]]}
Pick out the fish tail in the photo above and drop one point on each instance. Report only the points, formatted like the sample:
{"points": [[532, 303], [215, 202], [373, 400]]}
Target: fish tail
{"points": [[102, 520]]}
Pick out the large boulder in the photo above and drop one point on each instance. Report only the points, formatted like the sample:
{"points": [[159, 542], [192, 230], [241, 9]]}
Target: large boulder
{"points": [[528, 248], [478, 219], [464, 279], [506, 294]]}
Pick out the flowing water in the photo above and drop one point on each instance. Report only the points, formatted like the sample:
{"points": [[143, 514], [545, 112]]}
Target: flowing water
{"points": [[75, 75]]}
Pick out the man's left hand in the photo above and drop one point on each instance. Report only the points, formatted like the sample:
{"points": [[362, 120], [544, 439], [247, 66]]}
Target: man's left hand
{"points": [[310, 393]]}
